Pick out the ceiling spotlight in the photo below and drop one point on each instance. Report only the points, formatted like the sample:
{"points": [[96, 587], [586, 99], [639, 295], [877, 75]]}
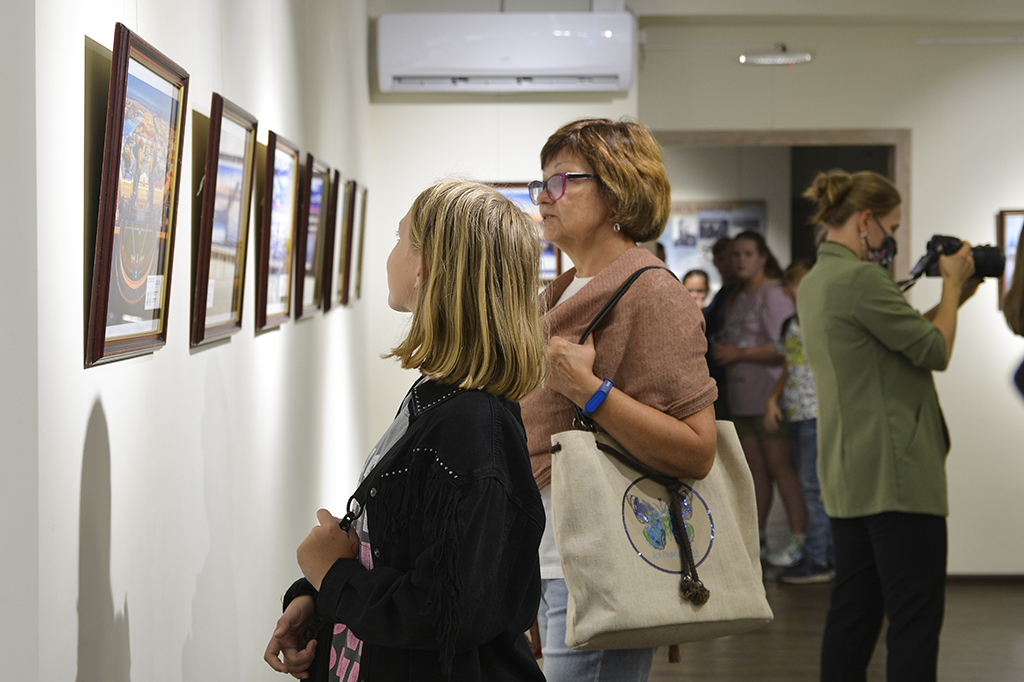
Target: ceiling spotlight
{"points": [[774, 58]]}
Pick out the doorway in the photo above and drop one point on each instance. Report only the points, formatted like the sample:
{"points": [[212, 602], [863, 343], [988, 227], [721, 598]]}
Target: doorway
{"points": [[885, 151], [805, 163]]}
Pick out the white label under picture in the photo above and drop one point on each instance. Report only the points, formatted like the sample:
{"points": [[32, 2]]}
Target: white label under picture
{"points": [[154, 286]]}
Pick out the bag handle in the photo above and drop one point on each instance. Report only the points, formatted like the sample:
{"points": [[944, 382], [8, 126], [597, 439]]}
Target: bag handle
{"points": [[690, 586], [581, 421], [616, 296], [356, 502]]}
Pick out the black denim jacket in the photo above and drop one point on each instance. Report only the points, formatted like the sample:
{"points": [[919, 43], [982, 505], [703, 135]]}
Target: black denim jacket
{"points": [[455, 519]]}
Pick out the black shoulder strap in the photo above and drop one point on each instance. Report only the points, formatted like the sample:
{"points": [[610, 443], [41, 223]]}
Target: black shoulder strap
{"points": [[356, 501], [690, 586], [616, 296], [582, 421]]}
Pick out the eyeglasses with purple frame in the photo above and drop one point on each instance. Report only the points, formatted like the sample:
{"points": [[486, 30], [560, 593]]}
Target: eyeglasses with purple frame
{"points": [[554, 185]]}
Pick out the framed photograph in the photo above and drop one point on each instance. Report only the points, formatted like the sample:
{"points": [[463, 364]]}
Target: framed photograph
{"points": [[331, 241], [309, 246], [278, 199], [348, 218], [550, 255], [361, 211], [1009, 226], [138, 204], [220, 249], [694, 227]]}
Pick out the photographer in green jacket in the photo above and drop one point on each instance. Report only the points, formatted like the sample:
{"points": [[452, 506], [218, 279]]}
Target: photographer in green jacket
{"points": [[882, 439]]}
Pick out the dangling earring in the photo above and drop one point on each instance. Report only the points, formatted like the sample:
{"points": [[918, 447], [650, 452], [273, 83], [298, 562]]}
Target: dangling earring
{"points": [[617, 227]]}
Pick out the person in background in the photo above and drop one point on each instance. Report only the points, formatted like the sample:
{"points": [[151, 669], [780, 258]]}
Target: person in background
{"points": [[659, 251], [698, 284], [714, 319], [882, 439], [604, 189], [438, 578], [1013, 305], [795, 391], [756, 312]]}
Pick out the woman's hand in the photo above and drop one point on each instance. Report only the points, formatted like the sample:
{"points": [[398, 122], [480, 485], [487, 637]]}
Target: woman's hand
{"points": [[968, 289], [324, 545], [571, 369], [958, 267], [958, 284], [772, 415], [726, 353], [288, 650]]}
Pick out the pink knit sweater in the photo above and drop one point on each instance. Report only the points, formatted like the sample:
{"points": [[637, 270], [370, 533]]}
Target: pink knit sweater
{"points": [[651, 345]]}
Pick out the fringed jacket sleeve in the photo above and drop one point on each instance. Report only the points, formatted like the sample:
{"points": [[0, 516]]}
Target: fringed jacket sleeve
{"points": [[454, 529]]}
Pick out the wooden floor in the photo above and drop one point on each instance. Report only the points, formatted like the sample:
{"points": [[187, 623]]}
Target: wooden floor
{"points": [[982, 639]]}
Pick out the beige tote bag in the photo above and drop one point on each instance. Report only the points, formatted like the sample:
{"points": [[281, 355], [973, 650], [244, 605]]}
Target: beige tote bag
{"points": [[621, 561]]}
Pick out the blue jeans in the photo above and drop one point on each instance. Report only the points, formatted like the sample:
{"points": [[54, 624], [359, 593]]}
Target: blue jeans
{"points": [[804, 437], [563, 664]]}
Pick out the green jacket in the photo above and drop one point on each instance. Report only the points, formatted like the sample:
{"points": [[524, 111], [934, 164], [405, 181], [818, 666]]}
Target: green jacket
{"points": [[882, 440]]}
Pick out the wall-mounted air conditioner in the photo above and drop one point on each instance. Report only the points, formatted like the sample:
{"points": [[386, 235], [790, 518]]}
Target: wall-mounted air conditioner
{"points": [[506, 52]]}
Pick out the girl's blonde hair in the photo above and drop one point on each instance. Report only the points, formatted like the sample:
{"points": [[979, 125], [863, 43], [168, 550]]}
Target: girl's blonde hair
{"points": [[839, 195], [477, 318], [1013, 303]]}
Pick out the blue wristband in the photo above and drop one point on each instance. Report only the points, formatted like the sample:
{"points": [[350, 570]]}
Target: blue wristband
{"points": [[598, 398]]}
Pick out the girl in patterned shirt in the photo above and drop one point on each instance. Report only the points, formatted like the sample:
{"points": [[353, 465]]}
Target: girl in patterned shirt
{"points": [[799, 406]]}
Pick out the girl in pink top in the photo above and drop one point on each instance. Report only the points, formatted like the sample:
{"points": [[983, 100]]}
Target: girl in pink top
{"points": [[753, 323]]}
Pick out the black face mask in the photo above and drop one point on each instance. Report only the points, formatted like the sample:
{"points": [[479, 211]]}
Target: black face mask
{"points": [[884, 254]]}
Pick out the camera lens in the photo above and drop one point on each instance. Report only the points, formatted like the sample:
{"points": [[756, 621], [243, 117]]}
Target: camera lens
{"points": [[989, 261]]}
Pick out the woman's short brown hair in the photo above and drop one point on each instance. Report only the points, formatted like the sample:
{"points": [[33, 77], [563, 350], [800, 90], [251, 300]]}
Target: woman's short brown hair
{"points": [[628, 163], [477, 317]]}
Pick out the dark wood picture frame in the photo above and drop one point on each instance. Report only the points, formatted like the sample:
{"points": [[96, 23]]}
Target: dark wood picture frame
{"points": [[347, 231], [550, 255], [309, 246], [138, 204], [331, 242], [1009, 232], [363, 196], [277, 201], [223, 238]]}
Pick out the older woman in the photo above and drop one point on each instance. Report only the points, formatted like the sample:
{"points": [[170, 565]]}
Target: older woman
{"points": [[604, 190], [882, 440]]}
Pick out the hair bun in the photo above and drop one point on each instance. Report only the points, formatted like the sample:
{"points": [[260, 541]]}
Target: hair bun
{"points": [[830, 189], [839, 194]]}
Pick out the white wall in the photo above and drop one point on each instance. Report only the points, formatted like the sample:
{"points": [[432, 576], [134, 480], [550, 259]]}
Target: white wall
{"points": [[962, 104], [174, 487], [19, 480]]}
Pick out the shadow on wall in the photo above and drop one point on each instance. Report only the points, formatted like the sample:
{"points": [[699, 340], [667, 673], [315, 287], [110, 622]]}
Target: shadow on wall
{"points": [[208, 653], [104, 653]]}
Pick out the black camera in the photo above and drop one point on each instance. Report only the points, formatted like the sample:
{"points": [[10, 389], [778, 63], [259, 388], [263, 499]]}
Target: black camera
{"points": [[989, 261]]}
